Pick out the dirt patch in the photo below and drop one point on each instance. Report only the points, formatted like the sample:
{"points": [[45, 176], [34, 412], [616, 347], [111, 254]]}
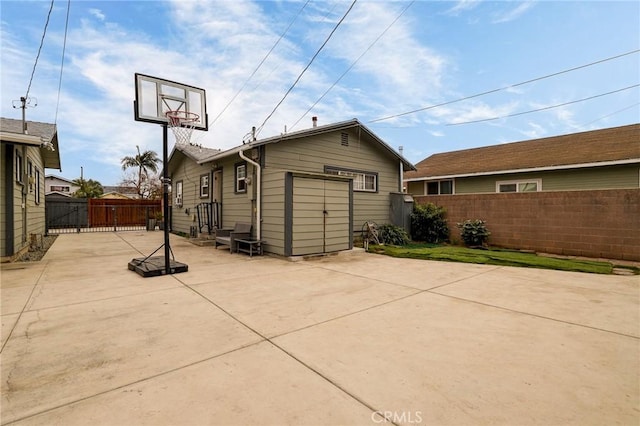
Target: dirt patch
{"points": [[38, 249]]}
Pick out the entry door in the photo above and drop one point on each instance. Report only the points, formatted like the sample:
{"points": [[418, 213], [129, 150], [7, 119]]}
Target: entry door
{"points": [[321, 216]]}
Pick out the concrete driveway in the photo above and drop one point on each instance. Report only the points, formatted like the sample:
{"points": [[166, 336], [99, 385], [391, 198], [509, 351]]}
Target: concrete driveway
{"points": [[341, 340]]}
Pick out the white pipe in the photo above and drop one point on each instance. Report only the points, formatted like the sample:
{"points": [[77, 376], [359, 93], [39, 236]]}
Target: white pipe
{"points": [[258, 192]]}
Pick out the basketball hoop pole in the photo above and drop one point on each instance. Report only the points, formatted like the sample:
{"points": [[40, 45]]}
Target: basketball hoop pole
{"points": [[165, 197]]}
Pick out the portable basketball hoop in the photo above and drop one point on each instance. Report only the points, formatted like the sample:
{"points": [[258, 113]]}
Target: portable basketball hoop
{"points": [[182, 124]]}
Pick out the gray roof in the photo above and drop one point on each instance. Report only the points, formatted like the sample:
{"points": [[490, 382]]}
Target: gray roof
{"points": [[47, 132], [195, 152], [343, 125]]}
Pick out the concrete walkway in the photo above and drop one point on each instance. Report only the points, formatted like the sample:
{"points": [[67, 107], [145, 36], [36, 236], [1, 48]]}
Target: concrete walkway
{"points": [[340, 340]]}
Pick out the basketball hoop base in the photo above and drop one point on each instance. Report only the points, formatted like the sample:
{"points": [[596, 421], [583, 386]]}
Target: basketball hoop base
{"points": [[155, 266]]}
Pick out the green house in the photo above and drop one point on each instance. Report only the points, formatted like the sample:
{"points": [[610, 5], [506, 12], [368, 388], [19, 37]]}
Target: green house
{"points": [[305, 192], [598, 159], [24, 155]]}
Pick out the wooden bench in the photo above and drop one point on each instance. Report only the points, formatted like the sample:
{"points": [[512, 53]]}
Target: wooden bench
{"points": [[228, 237]]}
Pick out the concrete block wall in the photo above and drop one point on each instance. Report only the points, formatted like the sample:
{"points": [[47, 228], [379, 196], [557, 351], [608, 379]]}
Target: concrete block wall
{"points": [[599, 224]]}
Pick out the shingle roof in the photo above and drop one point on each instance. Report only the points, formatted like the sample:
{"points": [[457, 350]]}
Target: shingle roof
{"points": [[343, 125], [46, 131], [606, 145]]}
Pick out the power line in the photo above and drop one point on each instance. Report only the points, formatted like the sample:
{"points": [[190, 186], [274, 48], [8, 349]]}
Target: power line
{"points": [[44, 33], [260, 64], [613, 113], [545, 108], [305, 68], [353, 64], [505, 87], [64, 48]]}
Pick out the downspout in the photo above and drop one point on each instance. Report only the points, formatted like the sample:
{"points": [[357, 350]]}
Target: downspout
{"points": [[401, 171], [258, 193]]}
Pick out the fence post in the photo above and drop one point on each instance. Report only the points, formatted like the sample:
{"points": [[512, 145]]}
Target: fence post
{"points": [[115, 218], [77, 209]]}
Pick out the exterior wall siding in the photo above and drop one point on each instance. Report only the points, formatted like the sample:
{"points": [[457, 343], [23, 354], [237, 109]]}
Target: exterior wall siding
{"points": [[236, 207], [273, 210], [30, 219], [188, 172], [600, 224], [609, 177], [615, 177], [314, 153]]}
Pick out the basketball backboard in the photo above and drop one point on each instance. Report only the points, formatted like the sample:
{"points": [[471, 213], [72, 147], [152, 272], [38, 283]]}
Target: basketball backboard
{"points": [[156, 96]]}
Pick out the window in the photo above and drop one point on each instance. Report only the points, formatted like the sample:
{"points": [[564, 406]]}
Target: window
{"points": [[30, 175], [519, 186], [439, 187], [37, 185], [178, 195], [241, 177], [19, 169], [362, 181], [59, 188], [204, 186]]}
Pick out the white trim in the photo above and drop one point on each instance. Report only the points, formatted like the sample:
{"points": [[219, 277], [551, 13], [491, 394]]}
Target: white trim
{"points": [[20, 138], [531, 169]]}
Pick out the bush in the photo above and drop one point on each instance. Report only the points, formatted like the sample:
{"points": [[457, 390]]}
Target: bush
{"points": [[392, 235], [428, 223], [474, 232]]}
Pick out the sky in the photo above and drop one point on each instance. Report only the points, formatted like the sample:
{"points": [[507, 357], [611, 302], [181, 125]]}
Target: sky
{"points": [[415, 73]]}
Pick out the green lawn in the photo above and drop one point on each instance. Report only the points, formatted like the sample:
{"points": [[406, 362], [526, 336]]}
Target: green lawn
{"points": [[494, 257]]}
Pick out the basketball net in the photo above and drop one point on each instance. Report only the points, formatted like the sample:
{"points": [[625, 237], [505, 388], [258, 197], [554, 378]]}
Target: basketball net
{"points": [[182, 124]]}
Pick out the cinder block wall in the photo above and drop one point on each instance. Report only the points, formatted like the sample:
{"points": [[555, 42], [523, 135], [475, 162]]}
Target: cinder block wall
{"points": [[603, 223]]}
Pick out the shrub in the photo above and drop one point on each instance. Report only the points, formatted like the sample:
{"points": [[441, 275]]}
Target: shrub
{"points": [[428, 223], [392, 235], [474, 232]]}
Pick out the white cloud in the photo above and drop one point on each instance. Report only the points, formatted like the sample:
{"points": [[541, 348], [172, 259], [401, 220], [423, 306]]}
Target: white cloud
{"points": [[512, 14], [98, 14], [462, 6]]}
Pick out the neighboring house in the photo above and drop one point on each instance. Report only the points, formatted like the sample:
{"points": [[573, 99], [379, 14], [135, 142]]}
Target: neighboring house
{"points": [[305, 192], [576, 194], [60, 185], [24, 157], [120, 192], [598, 159]]}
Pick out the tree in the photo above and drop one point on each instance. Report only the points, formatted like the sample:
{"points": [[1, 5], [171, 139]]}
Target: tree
{"points": [[89, 188], [145, 162]]}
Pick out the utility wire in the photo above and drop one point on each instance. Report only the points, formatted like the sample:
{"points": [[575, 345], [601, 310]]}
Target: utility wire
{"points": [[505, 87], [305, 68], [260, 64], [64, 48], [545, 108], [613, 113], [44, 33], [353, 64]]}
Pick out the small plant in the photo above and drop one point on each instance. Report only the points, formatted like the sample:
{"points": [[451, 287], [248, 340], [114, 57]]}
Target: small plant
{"points": [[393, 235], [428, 223], [158, 215], [474, 233]]}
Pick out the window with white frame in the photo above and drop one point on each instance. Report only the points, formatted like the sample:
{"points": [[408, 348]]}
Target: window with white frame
{"points": [[532, 185], [362, 181], [37, 185], [204, 186], [241, 177], [178, 194], [439, 187], [19, 169], [30, 178], [60, 188]]}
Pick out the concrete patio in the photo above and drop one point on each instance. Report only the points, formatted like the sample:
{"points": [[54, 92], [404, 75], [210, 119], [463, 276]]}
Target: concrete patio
{"points": [[340, 340]]}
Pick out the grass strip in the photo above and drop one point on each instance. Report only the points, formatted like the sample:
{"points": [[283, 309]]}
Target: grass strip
{"points": [[492, 257]]}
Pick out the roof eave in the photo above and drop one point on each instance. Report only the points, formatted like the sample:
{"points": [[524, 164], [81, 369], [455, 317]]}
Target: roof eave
{"points": [[526, 170]]}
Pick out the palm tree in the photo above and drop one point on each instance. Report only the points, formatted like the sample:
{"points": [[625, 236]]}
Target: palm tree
{"points": [[89, 188], [145, 162]]}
